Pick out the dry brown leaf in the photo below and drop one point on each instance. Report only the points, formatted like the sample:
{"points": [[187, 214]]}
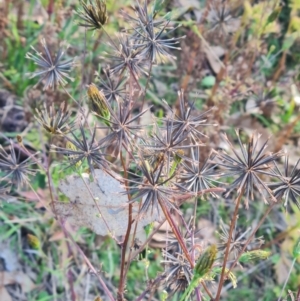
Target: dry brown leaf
{"points": [[213, 55], [282, 268], [40, 197], [161, 236], [18, 277], [251, 125], [205, 227], [58, 235], [101, 205]]}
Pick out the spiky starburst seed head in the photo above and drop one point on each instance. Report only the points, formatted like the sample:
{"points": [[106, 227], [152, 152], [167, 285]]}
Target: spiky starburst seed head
{"points": [[112, 87], [55, 122], [152, 35], [154, 188], [237, 240], [220, 19], [248, 166], [82, 150], [166, 143], [186, 121], [198, 176], [178, 272], [13, 167], [124, 128], [93, 15], [288, 186], [127, 56], [53, 72]]}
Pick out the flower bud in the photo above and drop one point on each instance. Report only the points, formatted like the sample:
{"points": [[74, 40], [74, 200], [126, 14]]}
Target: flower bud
{"points": [[97, 103], [254, 255], [206, 261], [33, 241]]}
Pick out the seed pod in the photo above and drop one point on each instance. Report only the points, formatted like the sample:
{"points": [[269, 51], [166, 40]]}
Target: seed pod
{"points": [[254, 255], [206, 261], [97, 103], [33, 241]]}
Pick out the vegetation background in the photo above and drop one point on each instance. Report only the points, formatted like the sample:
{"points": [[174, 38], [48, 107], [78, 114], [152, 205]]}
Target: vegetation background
{"points": [[240, 57]]}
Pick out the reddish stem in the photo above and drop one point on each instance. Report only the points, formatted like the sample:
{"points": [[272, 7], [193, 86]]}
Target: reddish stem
{"points": [[251, 237], [50, 8], [125, 242], [232, 224], [176, 233]]}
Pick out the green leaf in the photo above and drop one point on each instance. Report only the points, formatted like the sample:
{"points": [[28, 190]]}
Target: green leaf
{"points": [[274, 15], [288, 42], [296, 250], [208, 81]]}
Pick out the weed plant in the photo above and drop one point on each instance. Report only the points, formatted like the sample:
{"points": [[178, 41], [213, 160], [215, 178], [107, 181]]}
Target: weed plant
{"points": [[98, 154]]}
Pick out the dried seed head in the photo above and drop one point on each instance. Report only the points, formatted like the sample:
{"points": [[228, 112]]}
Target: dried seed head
{"points": [[152, 35], [178, 273], [55, 122], [14, 167], [112, 87], [287, 188], [248, 165], [206, 260], [53, 72], [93, 15], [86, 150]]}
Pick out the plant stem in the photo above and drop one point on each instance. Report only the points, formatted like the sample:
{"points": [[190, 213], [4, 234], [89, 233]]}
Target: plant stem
{"points": [[146, 88], [298, 293], [207, 291], [232, 224], [141, 248], [116, 47], [105, 288], [251, 237], [287, 279], [176, 233], [125, 242]]}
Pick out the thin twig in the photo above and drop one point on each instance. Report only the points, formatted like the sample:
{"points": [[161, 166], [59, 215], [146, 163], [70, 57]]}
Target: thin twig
{"points": [[105, 288], [287, 279], [232, 224], [176, 232], [250, 238], [125, 242]]}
